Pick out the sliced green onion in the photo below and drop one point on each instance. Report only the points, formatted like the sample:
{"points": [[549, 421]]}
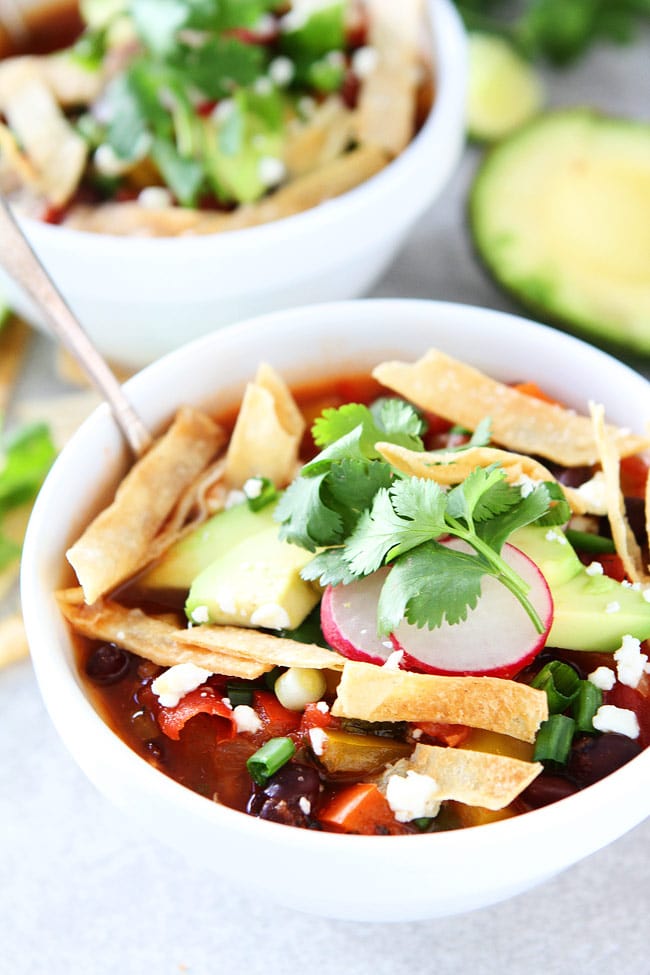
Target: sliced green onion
{"points": [[561, 683], [259, 492], [588, 542], [266, 761], [423, 823], [585, 706], [271, 676], [554, 739], [239, 692]]}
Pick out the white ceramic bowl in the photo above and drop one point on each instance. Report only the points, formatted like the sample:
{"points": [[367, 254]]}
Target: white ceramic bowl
{"points": [[358, 877], [139, 298]]}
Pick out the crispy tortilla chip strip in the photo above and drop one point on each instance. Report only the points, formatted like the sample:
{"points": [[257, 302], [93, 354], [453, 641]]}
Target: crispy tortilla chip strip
{"points": [[387, 101], [474, 778], [323, 138], [153, 638], [267, 434], [265, 648], [372, 693], [13, 640], [14, 338], [452, 467], [118, 542], [300, 194], [626, 544], [520, 422]]}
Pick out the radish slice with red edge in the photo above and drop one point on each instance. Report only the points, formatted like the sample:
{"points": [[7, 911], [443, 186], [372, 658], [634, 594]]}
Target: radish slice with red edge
{"points": [[348, 619], [497, 638]]}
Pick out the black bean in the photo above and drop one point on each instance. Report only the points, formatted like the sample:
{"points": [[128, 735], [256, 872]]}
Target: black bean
{"points": [[108, 664], [546, 789], [288, 797], [592, 759]]}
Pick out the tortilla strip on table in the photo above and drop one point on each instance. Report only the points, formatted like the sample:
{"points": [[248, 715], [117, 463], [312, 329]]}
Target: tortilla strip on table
{"points": [[119, 541], [13, 640], [65, 413], [627, 547], [266, 438], [452, 467], [474, 778], [388, 96], [14, 338], [520, 422], [148, 636], [273, 650], [302, 193], [372, 693]]}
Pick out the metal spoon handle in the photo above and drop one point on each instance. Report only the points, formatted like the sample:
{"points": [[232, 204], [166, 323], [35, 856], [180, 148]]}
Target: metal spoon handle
{"points": [[20, 261]]}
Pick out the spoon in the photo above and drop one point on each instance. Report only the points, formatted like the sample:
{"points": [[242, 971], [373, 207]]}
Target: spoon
{"points": [[20, 261]]}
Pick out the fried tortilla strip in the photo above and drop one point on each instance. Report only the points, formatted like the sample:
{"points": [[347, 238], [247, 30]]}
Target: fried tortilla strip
{"points": [[13, 640], [14, 339], [475, 778], [372, 693], [118, 542], [463, 395], [300, 194], [627, 547], [147, 636], [275, 651], [326, 135], [267, 434], [51, 144], [387, 101], [452, 467]]}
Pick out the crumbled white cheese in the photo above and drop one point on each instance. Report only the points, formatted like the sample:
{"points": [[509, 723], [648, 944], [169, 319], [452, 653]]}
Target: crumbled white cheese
{"points": [[224, 598], [282, 71], [323, 707], [200, 614], [253, 487], [263, 86], [301, 11], [317, 740], [306, 105], [526, 485], [416, 733], [234, 497], [227, 702], [179, 680], [602, 677], [630, 662], [246, 719], [108, 163], [271, 616], [271, 170], [613, 607], [646, 595], [223, 110], [335, 59], [619, 720], [594, 494], [305, 805], [594, 569], [412, 796], [393, 661], [553, 536], [365, 61], [155, 198]]}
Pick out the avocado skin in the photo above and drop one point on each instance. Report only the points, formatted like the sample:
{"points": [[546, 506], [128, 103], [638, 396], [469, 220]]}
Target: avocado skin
{"points": [[184, 560], [580, 617], [537, 292]]}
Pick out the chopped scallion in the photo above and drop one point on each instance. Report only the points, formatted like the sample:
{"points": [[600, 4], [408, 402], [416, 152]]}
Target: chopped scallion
{"points": [[266, 761], [588, 542], [266, 494], [554, 739], [561, 683], [585, 706], [239, 692]]}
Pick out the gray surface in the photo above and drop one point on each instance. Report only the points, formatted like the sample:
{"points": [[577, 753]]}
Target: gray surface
{"points": [[82, 890]]}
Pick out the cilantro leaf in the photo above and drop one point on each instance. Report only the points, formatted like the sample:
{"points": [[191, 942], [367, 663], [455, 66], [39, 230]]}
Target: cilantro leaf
{"points": [[329, 568], [431, 584], [304, 518], [374, 536], [334, 423], [24, 462], [352, 485], [560, 511], [184, 177], [395, 415], [498, 529], [337, 429], [482, 494]]}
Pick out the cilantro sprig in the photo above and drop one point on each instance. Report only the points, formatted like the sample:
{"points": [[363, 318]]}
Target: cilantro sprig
{"points": [[363, 514]]}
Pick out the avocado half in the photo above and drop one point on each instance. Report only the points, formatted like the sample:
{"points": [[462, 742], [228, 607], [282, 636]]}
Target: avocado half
{"points": [[560, 214]]}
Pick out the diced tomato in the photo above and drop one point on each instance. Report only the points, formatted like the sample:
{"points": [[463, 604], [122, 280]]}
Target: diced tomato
{"points": [[201, 701], [532, 389], [313, 717], [635, 699], [278, 720], [446, 734], [265, 35], [360, 808], [634, 475], [612, 565]]}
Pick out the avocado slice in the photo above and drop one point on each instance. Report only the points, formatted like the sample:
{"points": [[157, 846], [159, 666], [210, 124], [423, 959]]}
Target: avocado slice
{"points": [[560, 215], [188, 557], [255, 583], [584, 617]]}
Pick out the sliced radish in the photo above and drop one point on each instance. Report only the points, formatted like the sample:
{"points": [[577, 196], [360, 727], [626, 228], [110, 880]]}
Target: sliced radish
{"points": [[497, 638], [348, 618]]}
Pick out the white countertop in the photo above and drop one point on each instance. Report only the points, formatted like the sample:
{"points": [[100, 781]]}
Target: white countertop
{"points": [[82, 890]]}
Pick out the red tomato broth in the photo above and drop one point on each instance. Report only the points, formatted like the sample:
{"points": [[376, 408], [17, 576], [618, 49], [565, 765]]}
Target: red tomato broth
{"points": [[197, 745]]}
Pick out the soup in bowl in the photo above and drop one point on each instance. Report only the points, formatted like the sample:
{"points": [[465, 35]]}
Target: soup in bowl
{"points": [[407, 645]]}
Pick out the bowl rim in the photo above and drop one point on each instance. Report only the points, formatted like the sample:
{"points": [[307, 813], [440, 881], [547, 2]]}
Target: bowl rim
{"points": [[62, 690], [448, 57]]}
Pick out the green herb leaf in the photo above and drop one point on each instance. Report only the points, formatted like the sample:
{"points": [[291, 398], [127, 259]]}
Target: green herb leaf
{"points": [[24, 462], [304, 518], [329, 568]]}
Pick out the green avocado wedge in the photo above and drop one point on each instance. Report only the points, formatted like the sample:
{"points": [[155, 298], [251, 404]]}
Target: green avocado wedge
{"points": [[591, 612], [560, 215]]}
